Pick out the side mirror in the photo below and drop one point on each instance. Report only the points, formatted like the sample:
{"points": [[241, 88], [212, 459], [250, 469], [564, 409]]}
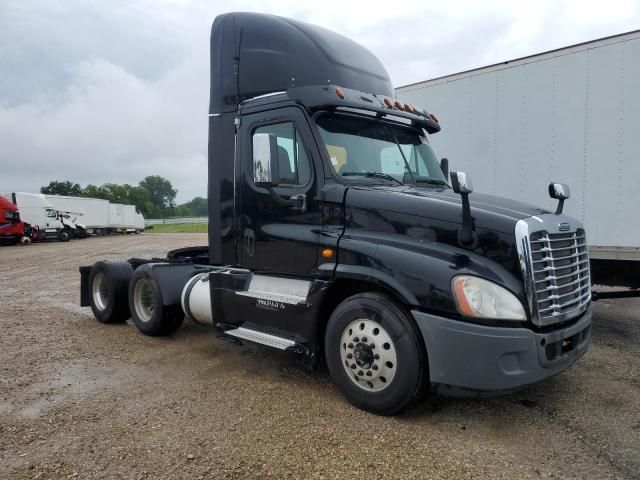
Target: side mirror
{"points": [[461, 183], [561, 192], [444, 166], [266, 171]]}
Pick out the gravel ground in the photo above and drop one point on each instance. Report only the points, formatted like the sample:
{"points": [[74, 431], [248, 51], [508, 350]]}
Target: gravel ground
{"points": [[79, 399]]}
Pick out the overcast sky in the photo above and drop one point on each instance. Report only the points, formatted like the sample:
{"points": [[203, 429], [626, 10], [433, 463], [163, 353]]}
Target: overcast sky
{"points": [[113, 91]]}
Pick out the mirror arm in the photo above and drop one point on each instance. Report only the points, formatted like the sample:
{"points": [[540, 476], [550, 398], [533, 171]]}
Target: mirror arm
{"points": [[560, 206], [465, 234]]}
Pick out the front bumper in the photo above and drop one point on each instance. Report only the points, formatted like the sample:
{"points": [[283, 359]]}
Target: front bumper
{"points": [[470, 357]]}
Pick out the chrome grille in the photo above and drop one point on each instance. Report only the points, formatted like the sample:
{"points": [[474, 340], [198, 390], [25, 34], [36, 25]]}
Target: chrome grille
{"points": [[559, 265]]}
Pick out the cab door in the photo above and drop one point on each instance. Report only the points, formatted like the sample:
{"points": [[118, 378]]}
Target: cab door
{"points": [[275, 236]]}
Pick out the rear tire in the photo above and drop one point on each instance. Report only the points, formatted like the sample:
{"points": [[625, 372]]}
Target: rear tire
{"points": [[147, 307], [109, 284], [374, 354]]}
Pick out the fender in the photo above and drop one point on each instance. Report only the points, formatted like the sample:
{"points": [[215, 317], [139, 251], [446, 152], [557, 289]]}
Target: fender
{"points": [[418, 271]]}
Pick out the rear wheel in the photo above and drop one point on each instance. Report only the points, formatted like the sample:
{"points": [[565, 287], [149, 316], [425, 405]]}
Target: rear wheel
{"points": [[374, 354], [108, 284], [147, 307]]}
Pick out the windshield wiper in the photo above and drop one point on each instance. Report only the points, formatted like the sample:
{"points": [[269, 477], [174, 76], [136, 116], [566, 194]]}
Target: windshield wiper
{"points": [[431, 181], [385, 176]]}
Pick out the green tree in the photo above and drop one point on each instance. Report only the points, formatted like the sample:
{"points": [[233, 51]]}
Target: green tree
{"points": [[139, 197], [162, 195], [199, 207], [64, 187]]}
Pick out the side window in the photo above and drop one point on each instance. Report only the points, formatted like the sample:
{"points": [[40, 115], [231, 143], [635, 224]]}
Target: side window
{"points": [[295, 168], [51, 213]]}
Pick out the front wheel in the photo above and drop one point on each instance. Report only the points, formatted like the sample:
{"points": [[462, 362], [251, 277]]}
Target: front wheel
{"points": [[374, 354], [64, 235], [147, 307]]}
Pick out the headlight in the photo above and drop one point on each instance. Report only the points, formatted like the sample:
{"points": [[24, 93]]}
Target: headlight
{"points": [[480, 298]]}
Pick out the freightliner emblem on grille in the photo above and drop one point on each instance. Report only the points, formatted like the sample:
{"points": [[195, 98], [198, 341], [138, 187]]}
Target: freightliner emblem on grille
{"points": [[564, 227]]}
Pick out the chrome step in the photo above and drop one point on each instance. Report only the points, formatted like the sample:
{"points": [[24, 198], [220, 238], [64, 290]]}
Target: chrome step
{"points": [[261, 337]]}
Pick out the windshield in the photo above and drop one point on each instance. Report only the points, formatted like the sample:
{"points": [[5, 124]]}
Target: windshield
{"points": [[361, 148]]}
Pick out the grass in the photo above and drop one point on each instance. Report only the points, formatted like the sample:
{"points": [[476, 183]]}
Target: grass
{"points": [[180, 228]]}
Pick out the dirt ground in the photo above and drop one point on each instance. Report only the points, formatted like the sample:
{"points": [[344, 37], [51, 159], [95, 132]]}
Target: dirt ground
{"points": [[79, 399]]}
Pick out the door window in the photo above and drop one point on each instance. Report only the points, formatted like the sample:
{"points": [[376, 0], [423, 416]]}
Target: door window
{"points": [[295, 168], [51, 213]]}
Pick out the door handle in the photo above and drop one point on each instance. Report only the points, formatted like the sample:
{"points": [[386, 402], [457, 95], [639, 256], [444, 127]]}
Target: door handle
{"points": [[298, 202]]}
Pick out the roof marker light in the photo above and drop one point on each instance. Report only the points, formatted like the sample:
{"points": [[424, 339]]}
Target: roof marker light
{"points": [[408, 107], [399, 105], [388, 102], [340, 92], [435, 119]]}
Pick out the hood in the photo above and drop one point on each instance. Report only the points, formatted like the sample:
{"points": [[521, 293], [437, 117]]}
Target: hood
{"points": [[489, 212]]}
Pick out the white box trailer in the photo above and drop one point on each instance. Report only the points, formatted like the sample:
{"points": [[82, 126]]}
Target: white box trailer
{"points": [[569, 115], [116, 216], [132, 220], [92, 213]]}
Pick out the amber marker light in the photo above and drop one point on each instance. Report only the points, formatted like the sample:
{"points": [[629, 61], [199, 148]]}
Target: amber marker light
{"points": [[399, 105], [408, 107], [340, 92], [388, 102], [327, 252], [458, 288], [435, 119]]}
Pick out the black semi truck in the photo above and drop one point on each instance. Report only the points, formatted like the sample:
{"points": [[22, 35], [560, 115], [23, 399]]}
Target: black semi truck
{"points": [[337, 235]]}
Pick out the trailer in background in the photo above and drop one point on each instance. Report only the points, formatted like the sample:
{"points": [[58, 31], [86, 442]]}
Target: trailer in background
{"points": [[133, 222], [569, 115], [92, 213], [98, 216]]}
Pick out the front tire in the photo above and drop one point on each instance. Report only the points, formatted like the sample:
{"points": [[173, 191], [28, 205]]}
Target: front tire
{"points": [[109, 284], [374, 354], [147, 307], [64, 235]]}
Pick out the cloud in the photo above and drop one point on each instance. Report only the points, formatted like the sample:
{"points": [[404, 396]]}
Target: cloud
{"points": [[113, 91]]}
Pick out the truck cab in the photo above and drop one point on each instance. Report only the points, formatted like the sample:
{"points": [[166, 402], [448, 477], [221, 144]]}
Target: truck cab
{"points": [[12, 228], [336, 234]]}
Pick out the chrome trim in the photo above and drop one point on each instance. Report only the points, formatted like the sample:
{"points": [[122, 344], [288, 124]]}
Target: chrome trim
{"points": [[265, 95], [549, 310]]}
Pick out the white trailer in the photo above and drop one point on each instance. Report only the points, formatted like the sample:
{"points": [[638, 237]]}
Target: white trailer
{"points": [[92, 213], [116, 216], [133, 221], [569, 115], [37, 211]]}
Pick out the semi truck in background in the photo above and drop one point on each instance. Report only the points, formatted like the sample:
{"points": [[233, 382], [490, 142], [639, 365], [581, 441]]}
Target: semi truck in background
{"points": [[336, 235], [12, 229], [570, 113], [36, 210]]}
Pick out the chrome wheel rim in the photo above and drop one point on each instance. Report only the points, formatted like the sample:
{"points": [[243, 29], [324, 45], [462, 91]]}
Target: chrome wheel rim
{"points": [[143, 300], [100, 292], [368, 355]]}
